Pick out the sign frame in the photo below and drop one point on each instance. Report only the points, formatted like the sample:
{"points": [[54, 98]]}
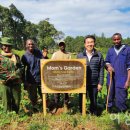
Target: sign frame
{"points": [[45, 89]]}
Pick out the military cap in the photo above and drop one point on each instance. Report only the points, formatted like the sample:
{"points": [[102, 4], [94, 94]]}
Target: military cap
{"points": [[6, 41]]}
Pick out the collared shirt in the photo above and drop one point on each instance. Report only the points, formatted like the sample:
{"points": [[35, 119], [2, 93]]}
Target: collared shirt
{"points": [[89, 55], [118, 50], [120, 63], [32, 62], [60, 55]]}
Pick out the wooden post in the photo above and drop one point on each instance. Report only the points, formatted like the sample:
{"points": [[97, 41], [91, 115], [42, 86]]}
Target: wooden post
{"points": [[65, 106], [83, 104], [109, 88], [44, 104]]}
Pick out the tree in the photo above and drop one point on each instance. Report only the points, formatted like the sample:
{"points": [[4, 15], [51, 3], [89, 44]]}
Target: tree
{"points": [[5, 19], [30, 31], [69, 43], [47, 33], [47, 41], [17, 26], [13, 25], [74, 44]]}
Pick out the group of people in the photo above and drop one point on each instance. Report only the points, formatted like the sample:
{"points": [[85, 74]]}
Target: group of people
{"points": [[27, 71], [117, 63]]}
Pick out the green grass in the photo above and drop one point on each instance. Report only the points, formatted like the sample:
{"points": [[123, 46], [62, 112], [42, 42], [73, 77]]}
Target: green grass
{"points": [[68, 121]]}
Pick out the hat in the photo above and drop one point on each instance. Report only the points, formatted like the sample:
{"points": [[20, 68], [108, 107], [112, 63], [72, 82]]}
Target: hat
{"points": [[6, 41], [61, 42]]}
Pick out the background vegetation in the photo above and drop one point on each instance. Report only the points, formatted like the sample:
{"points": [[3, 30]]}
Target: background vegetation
{"points": [[14, 25]]}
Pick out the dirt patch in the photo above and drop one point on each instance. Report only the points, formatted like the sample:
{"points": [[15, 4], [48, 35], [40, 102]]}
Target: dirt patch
{"points": [[15, 126], [124, 127]]}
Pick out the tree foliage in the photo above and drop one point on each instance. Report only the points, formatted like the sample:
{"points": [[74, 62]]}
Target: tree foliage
{"points": [[77, 44], [14, 25], [46, 33]]}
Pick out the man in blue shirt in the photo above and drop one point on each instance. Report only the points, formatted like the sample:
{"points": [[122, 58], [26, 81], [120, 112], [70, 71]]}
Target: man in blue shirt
{"points": [[118, 63], [31, 74]]}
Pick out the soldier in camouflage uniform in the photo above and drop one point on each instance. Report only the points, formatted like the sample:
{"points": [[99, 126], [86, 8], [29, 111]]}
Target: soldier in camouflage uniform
{"points": [[10, 77]]}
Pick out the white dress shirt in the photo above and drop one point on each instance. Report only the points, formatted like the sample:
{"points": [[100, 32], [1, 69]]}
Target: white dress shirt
{"points": [[89, 55]]}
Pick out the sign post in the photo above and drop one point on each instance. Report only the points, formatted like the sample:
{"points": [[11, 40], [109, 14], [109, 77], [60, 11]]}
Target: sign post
{"points": [[63, 76]]}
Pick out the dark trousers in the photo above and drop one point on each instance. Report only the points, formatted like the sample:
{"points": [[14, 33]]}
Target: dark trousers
{"points": [[117, 97], [92, 92], [39, 90], [57, 98], [32, 93]]}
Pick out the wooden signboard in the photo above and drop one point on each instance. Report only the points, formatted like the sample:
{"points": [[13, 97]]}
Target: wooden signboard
{"points": [[63, 76]]}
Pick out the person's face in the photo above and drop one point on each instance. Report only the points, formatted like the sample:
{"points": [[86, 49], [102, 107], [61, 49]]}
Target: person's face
{"points": [[6, 48], [62, 46], [30, 45], [116, 40], [45, 52], [89, 44]]}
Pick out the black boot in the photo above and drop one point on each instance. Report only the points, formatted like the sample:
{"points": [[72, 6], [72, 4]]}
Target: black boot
{"points": [[109, 109]]}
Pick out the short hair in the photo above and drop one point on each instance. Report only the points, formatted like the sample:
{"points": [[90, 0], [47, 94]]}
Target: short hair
{"points": [[117, 34], [30, 40], [27, 42], [44, 47], [90, 36]]}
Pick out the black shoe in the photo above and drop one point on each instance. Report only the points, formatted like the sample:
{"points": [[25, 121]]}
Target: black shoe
{"points": [[121, 111], [35, 110], [109, 109]]}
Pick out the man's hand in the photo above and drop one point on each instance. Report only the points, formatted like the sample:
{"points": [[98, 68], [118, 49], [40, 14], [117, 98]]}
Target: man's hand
{"points": [[99, 87], [110, 68], [127, 84], [10, 78]]}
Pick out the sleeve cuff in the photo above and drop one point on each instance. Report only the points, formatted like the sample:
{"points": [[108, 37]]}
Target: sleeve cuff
{"points": [[107, 63]]}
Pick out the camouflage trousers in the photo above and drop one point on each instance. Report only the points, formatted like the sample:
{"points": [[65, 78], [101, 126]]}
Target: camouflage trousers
{"points": [[10, 97]]}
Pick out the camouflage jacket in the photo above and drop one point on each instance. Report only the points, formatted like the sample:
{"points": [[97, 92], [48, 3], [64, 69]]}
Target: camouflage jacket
{"points": [[9, 72]]}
